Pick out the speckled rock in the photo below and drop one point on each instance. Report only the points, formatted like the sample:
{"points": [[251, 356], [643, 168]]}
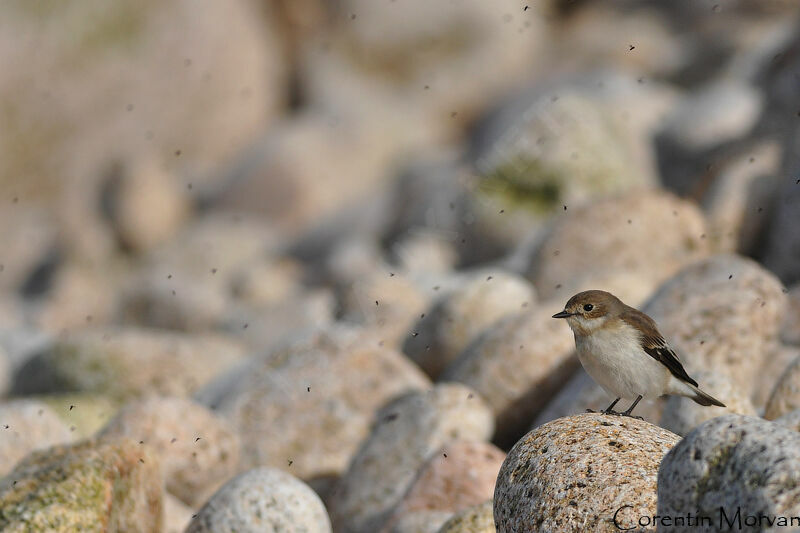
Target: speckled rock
{"points": [[198, 451], [477, 519], [458, 476], [89, 486], [790, 420], [721, 314], [406, 433], [84, 413], [785, 396], [737, 204], [322, 392], [651, 233], [681, 415], [731, 462], [263, 500], [779, 357], [517, 365], [722, 111], [790, 325], [581, 393], [27, 425], [129, 362], [485, 297], [573, 474]]}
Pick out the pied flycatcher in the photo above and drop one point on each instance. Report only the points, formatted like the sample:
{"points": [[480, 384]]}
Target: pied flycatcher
{"points": [[622, 350]]}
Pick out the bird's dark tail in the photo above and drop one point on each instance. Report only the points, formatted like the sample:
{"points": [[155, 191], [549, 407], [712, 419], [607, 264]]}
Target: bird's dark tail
{"points": [[704, 399]]}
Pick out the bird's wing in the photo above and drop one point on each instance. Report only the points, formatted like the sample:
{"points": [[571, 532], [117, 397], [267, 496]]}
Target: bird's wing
{"points": [[655, 346]]}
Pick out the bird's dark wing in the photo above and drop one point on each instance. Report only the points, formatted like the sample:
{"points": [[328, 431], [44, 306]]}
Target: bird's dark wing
{"points": [[654, 345]]}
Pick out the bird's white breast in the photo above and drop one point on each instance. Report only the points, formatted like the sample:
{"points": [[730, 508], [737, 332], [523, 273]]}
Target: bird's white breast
{"points": [[614, 358]]}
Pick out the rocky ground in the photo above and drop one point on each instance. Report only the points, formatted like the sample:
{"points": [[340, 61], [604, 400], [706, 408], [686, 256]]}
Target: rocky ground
{"points": [[290, 265]]}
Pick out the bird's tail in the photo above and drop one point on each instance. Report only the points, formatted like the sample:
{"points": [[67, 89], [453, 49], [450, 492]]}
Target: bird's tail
{"points": [[703, 398]]}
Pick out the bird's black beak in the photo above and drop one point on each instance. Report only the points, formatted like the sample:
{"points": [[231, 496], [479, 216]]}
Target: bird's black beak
{"points": [[562, 314]]}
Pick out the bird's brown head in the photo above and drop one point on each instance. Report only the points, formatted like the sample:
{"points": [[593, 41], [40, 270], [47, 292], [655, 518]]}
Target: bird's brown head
{"points": [[589, 310]]}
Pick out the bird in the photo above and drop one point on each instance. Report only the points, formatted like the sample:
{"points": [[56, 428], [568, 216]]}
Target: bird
{"points": [[622, 350]]}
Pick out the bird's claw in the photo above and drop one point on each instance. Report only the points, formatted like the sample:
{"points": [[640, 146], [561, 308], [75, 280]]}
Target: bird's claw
{"points": [[610, 412], [629, 415]]}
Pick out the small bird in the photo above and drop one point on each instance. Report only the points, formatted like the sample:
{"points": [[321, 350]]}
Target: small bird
{"points": [[622, 350]]}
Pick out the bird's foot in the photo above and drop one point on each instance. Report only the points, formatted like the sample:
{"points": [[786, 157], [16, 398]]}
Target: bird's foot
{"points": [[591, 411], [629, 415], [610, 412]]}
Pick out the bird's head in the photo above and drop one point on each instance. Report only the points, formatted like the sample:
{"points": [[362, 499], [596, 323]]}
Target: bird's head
{"points": [[589, 311]]}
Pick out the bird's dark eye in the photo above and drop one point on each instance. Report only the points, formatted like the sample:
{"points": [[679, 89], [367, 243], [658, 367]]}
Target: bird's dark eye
{"points": [[588, 307]]}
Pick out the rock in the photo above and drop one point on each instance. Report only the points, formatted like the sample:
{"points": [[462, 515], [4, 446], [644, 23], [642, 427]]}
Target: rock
{"points": [[576, 473], [785, 396], [421, 252], [629, 234], [27, 425], [198, 451], [27, 247], [721, 111], [581, 393], [322, 392], [424, 70], [517, 365], [147, 204], [722, 315], [129, 362], [84, 413], [483, 298], [733, 462], [779, 358], [76, 487], [681, 415], [193, 102], [406, 433], [476, 519], [268, 281], [458, 476], [560, 144], [781, 252], [177, 514], [790, 420], [6, 371], [738, 202], [633, 288], [262, 500], [790, 325], [387, 302], [186, 283], [419, 522]]}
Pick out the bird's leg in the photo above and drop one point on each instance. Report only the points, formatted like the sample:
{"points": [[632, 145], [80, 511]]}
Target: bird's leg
{"points": [[628, 411], [610, 409]]}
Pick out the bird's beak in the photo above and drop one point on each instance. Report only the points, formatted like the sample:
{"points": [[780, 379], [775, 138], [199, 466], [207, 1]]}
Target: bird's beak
{"points": [[562, 314]]}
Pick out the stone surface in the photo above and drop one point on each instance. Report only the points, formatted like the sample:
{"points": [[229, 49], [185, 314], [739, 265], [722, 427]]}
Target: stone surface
{"points": [[419, 522], [476, 519], [177, 514], [681, 415], [721, 314], [27, 247], [573, 474], [651, 233], [731, 462], [447, 328], [322, 392], [779, 358], [197, 450], [517, 365], [790, 420], [129, 362], [781, 252], [722, 111], [115, 485], [458, 476], [785, 397], [84, 413], [738, 201], [263, 500], [27, 425], [406, 433], [790, 325]]}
